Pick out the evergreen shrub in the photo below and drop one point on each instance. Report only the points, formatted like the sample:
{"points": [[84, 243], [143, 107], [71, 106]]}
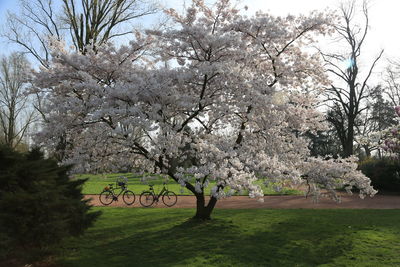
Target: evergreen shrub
{"points": [[39, 205]]}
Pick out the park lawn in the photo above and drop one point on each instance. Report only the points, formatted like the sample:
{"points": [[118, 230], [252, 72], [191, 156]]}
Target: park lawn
{"points": [[258, 237], [96, 183]]}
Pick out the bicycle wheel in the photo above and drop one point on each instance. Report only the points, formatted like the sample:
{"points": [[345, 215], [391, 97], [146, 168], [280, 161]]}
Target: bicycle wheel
{"points": [[169, 198], [128, 197], [106, 197], [146, 199]]}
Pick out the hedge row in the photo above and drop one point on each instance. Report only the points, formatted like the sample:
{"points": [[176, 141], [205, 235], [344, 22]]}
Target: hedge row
{"points": [[384, 173]]}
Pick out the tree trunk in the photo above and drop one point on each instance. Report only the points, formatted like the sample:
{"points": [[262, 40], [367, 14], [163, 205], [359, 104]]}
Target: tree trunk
{"points": [[11, 127], [348, 149], [203, 212], [367, 151]]}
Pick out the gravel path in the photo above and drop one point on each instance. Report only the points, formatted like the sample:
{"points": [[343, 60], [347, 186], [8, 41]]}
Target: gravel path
{"points": [[276, 202]]}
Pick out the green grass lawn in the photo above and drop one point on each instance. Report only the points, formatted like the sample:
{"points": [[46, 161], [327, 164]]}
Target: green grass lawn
{"points": [[96, 183], [165, 237]]}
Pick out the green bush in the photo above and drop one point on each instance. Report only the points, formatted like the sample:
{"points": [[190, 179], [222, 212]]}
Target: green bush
{"points": [[39, 205], [384, 173]]}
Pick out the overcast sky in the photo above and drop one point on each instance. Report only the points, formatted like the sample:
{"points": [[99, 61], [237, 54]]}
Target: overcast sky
{"points": [[384, 19]]}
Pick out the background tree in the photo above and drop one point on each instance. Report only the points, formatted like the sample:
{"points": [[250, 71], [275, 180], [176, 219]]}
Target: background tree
{"points": [[346, 98], [77, 22], [392, 85], [96, 22], [32, 26], [16, 114], [324, 143], [378, 117], [242, 85]]}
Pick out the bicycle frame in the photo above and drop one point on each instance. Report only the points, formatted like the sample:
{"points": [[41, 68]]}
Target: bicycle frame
{"points": [[159, 194], [147, 198], [112, 189]]}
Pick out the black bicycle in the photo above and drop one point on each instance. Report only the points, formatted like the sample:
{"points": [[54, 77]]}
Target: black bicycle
{"points": [[107, 196], [147, 198]]}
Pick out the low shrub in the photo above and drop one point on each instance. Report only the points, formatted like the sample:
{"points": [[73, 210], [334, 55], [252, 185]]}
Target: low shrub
{"points": [[39, 205], [384, 173]]}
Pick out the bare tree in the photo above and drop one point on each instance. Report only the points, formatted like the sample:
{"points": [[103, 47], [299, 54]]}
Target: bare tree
{"points": [[78, 22], [95, 22], [15, 114], [346, 96], [31, 28], [392, 79]]}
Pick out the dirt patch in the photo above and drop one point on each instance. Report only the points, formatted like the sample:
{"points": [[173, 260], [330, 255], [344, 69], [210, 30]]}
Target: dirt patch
{"points": [[276, 202]]}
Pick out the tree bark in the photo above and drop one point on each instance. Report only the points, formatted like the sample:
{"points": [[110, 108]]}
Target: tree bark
{"points": [[203, 212], [348, 149]]}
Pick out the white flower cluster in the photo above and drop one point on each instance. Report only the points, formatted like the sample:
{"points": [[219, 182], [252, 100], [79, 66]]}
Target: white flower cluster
{"points": [[335, 174]]}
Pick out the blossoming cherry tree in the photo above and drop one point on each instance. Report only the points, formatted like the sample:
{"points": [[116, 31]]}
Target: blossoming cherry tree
{"points": [[215, 102]]}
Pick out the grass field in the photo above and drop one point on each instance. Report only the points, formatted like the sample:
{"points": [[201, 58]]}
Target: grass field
{"points": [[164, 237], [96, 183]]}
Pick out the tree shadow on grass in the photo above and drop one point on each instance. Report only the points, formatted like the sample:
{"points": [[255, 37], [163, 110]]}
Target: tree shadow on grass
{"points": [[219, 242]]}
